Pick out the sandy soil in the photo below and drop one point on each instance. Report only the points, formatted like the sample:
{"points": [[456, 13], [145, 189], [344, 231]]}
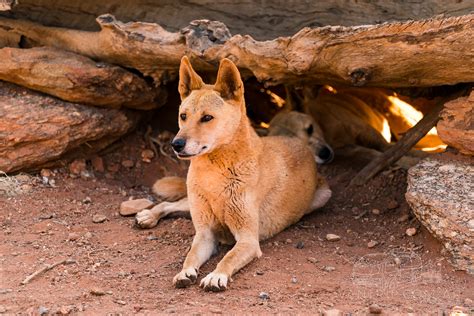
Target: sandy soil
{"points": [[120, 269]]}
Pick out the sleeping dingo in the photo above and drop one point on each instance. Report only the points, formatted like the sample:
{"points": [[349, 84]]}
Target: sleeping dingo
{"points": [[241, 188]]}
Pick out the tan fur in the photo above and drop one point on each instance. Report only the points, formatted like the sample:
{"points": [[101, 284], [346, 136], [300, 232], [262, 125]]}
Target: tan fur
{"points": [[241, 188], [170, 188]]}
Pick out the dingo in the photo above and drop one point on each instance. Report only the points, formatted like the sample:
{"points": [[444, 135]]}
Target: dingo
{"points": [[241, 188]]}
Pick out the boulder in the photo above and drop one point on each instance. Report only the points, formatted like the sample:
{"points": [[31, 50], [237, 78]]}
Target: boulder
{"points": [[132, 207], [456, 127], [36, 129], [440, 194]]}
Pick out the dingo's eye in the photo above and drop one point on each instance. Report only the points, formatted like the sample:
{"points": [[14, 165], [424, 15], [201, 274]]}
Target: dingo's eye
{"points": [[310, 130], [182, 117], [206, 118]]}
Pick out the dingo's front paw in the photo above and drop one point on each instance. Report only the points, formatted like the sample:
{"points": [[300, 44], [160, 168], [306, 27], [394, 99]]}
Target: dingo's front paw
{"points": [[185, 278], [146, 219], [215, 282]]}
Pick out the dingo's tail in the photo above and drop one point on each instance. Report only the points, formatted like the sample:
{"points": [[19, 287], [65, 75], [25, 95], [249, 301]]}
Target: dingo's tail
{"points": [[170, 188]]}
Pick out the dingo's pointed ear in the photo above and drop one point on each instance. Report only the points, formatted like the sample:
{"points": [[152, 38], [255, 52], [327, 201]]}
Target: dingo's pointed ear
{"points": [[188, 79], [228, 83]]}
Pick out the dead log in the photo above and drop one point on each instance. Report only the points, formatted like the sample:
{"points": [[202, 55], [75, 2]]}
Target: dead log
{"points": [[456, 125], [35, 128], [415, 53], [76, 78], [262, 20]]}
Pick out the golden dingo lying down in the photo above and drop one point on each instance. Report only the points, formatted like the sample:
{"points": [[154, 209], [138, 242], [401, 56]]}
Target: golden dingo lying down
{"points": [[241, 188]]}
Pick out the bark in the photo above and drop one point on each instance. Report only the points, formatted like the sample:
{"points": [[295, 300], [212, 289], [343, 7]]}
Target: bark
{"points": [[261, 19], [35, 128], [423, 53], [75, 78], [456, 127]]}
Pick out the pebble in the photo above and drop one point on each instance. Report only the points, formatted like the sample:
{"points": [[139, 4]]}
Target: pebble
{"points": [[132, 207], [73, 236], [294, 280], [88, 235], [333, 237], [392, 204], [97, 292], [410, 231], [5, 291], [312, 260], [288, 241], [300, 245], [375, 309], [264, 296], [376, 211], [372, 244], [87, 200], [120, 302], [77, 166], [151, 237], [113, 168], [147, 155], [468, 302], [397, 261], [43, 310], [3, 309], [333, 312], [470, 224], [46, 173], [128, 163], [259, 272], [98, 164], [328, 268], [403, 218], [99, 218]]}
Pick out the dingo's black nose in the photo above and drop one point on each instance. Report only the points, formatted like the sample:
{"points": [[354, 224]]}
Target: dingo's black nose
{"points": [[178, 144], [326, 154]]}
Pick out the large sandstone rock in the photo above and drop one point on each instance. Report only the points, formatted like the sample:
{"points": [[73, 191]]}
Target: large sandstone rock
{"points": [[35, 129], [441, 195], [76, 78], [456, 127]]}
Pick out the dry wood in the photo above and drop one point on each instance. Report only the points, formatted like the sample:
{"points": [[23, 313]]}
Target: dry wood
{"points": [[394, 153], [44, 269], [76, 78], [262, 20], [422, 53]]}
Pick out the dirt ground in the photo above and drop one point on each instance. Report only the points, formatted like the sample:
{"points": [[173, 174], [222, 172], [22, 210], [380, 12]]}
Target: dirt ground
{"points": [[119, 269]]}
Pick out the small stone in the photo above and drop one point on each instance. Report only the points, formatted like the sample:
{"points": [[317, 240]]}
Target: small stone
{"points": [[3, 309], [151, 237], [87, 200], [375, 309], [376, 211], [97, 292], [264, 296], [300, 245], [333, 237], [88, 235], [43, 310], [98, 164], [294, 280], [46, 173], [5, 291], [288, 241], [65, 310], [46, 216], [470, 224], [468, 302], [128, 163], [410, 231], [99, 218], [397, 261], [259, 272], [328, 268], [113, 167], [372, 244], [392, 204], [77, 166], [215, 310], [120, 302], [132, 207], [403, 218], [333, 312], [312, 260], [147, 155], [73, 236]]}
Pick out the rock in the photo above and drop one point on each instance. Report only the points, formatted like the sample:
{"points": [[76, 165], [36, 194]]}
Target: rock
{"points": [[403, 218], [455, 126], [392, 204], [470, 224], [375, 309], [294, 280], [98, 164], [3, 309], [410, 231], [97, 291], [5, 291], [259, 272], [43, 310], [147, 155], [264, 296], [88, 235], [312, 260], [333, 312], [99, 218], [132, 207], [128, 163], [333, 237], [372, 244], [77, 166], [328, 268], [75, 78], [73, 236], [443, 202], [42, 129], [376, 211], [46, 173], [468, 302], [299, 245], [87, 200]]}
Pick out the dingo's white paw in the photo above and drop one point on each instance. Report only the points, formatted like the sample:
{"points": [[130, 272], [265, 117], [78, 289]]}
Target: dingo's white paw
{"points": [[185, 278], [215, 282], [146, 219]]}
